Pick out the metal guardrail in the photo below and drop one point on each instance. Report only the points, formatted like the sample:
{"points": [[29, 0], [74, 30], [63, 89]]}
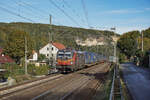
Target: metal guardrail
{"points": [[116, 88], [112, 86]]}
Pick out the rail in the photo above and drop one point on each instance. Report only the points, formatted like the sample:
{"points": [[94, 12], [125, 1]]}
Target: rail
{"points": [[28, 85]]}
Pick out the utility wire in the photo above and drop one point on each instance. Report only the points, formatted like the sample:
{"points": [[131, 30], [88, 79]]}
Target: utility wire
{"points": [[38, 10], [13, 13], [66, 14], [33, 9], [30, 8], [85, 12], [73, 10]]}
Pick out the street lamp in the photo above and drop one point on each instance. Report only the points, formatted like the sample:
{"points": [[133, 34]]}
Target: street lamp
{"points": [[142, 41], [115, 44]]}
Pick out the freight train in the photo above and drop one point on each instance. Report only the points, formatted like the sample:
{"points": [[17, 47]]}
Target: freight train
{"points": [[71, 60]]}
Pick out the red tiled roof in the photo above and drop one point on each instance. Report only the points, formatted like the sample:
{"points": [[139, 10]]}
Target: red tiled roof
{"points": [[58, 45], [5, 59], [1, 50]]}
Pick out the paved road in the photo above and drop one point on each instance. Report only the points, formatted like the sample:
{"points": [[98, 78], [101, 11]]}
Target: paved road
{"points": [[138, 81]]}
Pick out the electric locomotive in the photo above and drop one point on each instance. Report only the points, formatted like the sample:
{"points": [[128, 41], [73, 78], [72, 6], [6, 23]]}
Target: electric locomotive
{"points": [[69, 60]]}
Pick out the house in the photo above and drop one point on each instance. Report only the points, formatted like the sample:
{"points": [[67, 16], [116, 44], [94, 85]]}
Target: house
{"points": [[5, 58], [34, 56], [50, 50]]}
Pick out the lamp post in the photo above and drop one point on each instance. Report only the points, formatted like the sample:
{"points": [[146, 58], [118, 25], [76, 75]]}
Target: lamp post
{"points": [[142, 41], [115, 55], [26, 66]]}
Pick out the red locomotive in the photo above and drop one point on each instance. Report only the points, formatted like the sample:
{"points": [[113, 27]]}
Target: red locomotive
{"points": [[69, 60], [72, 60]]}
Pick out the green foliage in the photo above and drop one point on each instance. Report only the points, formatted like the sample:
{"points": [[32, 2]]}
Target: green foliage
{"points": [[128, 43], [146, 33], [62, 34], [41, 57], [15, 45], [145, 60], [38, 70], [122, 58], [13, 70]]}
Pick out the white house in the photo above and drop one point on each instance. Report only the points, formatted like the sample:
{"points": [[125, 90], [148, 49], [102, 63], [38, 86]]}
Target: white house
{"points": [[34, 56], [51, 49]]}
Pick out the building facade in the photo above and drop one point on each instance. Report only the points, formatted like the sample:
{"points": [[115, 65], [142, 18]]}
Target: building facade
{"points": [[34, 56], [50, 50]]}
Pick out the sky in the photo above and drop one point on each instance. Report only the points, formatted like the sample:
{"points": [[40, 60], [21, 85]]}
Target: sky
{"points": [[124, 15]]}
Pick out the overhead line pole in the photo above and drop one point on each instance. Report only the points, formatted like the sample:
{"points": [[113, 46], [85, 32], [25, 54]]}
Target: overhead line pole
{"points": [[142, 41], [26, 66], [50, 42], [115, 44]]}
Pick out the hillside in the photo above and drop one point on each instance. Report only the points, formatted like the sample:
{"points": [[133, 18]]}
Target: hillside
{"points": [[69, 36]]}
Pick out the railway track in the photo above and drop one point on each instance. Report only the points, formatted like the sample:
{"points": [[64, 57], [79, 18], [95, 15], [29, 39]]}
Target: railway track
{"points": [[81, 87], [61, 88], [12, 89]]}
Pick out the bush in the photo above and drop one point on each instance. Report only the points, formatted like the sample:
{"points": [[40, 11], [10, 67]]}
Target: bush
{"points": [[122, 58], [145, 60], [12, 70], [38, 70]]}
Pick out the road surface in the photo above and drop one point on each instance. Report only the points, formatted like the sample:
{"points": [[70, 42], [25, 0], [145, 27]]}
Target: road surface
{"points": [[137, 80]]}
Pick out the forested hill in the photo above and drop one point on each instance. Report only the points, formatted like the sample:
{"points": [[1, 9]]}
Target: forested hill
{"points": [[62, 34]]}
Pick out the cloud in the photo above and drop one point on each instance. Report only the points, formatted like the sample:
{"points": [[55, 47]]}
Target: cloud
{"points": [[123, 11], [148, 9]]}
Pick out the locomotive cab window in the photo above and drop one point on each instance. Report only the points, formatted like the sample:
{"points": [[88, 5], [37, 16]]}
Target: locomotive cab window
{"points": [[68, 54], [60, 54]]}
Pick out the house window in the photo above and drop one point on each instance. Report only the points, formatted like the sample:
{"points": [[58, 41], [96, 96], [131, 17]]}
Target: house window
{"points": [[47, 55], [52, 55], [47, 49], [52, 48]]}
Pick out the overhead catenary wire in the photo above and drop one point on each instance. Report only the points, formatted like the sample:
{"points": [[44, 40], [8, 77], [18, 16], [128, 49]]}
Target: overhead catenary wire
{"points": [[85, 13], [65, 13], [74, 11], [30, 8], [41, 12], [29, 11], [16, 14]]}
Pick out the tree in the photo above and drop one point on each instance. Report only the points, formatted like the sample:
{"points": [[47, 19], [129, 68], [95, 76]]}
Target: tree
{"points": [[15, 45], [41, 57], [146, 33], [128, 43]]}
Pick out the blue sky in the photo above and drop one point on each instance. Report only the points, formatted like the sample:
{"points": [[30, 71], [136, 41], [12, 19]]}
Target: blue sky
{"points": [[125, 15]]}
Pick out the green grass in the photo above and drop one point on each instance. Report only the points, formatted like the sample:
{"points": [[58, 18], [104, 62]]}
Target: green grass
{"points": [[18, 72]]}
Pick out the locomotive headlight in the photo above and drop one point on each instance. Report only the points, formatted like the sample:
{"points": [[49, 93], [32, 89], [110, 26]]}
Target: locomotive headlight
{"points": [[71, 62]]}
